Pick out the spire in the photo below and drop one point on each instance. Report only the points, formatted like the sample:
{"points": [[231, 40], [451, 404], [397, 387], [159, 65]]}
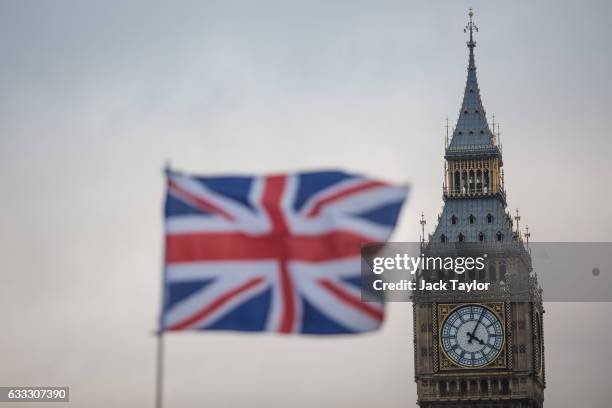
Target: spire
{"points": [[471, 27], [472, 130]]}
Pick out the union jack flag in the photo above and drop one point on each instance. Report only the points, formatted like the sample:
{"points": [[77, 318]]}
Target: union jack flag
{"points": [[273, 253]]}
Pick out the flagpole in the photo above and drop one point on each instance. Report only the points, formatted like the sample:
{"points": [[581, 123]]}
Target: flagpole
{"points": [[159, 377], [159, 366]]}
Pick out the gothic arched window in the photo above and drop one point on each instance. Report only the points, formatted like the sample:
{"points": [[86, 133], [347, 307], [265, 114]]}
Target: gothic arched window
{"points": [[457, 182], [489, 218], [471, 219], [499, 236], [481, 236], [461, 237], [453, 219], [502, 271], [473, 386], [442, 388], [495, 385], [463, 388], [471, 181], [492, 272], [505, 386], [484, 387], [442, 238], [464, 182], [479, 181], [486, 181]]}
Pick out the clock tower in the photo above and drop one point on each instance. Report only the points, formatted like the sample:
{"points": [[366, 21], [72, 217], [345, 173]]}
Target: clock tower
{"points": [[482, 348]]}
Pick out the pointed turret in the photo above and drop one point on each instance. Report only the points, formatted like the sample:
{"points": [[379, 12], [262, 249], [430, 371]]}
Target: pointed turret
{"points": [[472, 131]]}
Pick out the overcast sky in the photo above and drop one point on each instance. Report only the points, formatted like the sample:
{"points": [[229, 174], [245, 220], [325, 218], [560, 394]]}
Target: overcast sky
{"points": [[95, 97]]}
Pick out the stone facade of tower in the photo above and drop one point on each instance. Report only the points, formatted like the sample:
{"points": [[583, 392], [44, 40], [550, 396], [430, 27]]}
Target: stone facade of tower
{"points": [[484, 349]]}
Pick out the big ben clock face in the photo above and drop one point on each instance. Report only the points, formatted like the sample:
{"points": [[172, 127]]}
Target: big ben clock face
{"points": [[472, 336]]}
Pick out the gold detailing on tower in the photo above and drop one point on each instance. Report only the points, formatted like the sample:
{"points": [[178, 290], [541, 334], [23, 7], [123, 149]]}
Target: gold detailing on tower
{"points": [[473, 178]]}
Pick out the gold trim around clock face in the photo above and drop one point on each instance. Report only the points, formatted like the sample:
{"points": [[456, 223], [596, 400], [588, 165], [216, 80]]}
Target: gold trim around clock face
{"points": [[446, 363]]}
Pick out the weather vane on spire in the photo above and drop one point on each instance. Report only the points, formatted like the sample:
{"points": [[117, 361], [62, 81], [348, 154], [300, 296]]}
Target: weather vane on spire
{"points": [[471, 27]]}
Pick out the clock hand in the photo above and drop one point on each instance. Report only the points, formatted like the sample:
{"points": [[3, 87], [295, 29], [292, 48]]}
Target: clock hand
{"points": [[476, 326], [472, 337], [473, 334]]}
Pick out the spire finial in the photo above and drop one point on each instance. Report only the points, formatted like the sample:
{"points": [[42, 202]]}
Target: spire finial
{"points": [[471, 27], [422, 222], [446, 138]]}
